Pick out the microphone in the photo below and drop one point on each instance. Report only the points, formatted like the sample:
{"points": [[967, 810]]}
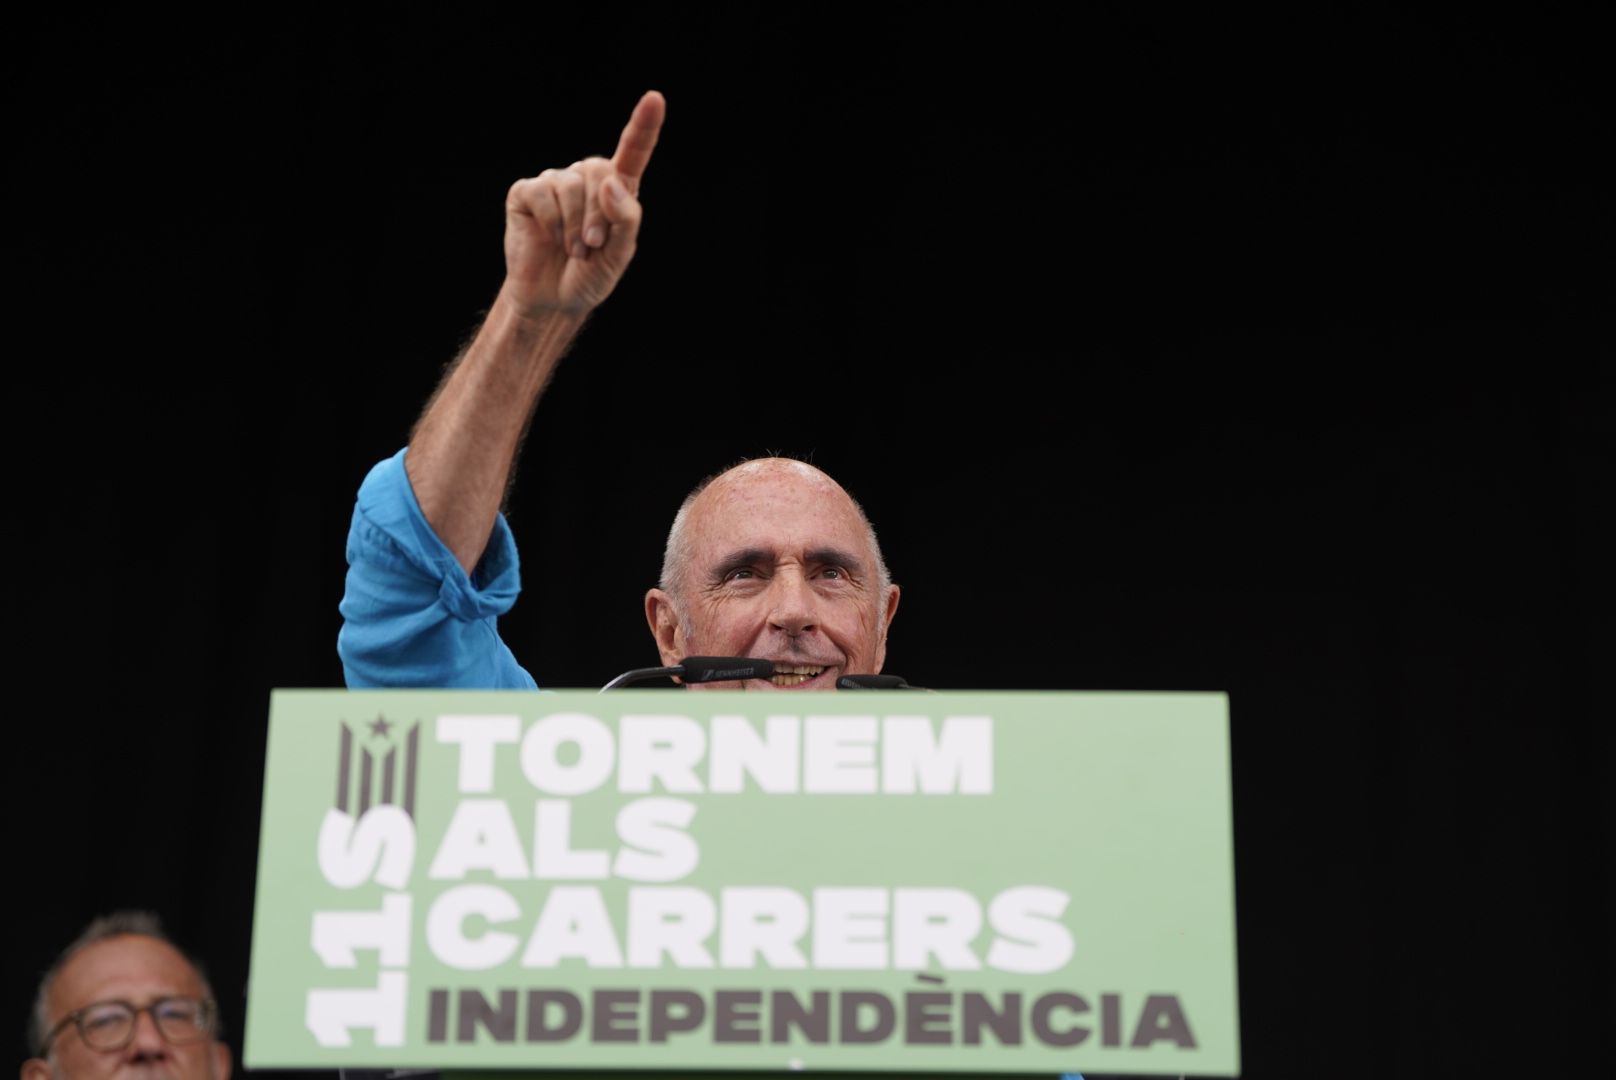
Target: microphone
{"points": [[695, 669], [873, 682], [724, 668]]}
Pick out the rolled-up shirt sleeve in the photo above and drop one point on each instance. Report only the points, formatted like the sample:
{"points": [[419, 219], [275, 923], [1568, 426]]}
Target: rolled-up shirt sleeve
{"points": [[412, 616]]}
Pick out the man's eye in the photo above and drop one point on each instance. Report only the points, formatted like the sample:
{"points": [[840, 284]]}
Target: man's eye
{"points": [[179, 1009], [834, 573], [741, 574], [105, 1017]]}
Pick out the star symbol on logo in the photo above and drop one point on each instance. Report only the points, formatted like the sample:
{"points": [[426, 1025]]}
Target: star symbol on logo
{"points": [[380, 727]]}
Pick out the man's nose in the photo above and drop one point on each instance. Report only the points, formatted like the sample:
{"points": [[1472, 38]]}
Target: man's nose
{"points": [[795, 605], [147, 1041]]}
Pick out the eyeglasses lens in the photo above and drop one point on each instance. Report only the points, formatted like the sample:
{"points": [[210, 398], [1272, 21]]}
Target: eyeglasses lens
{"points": [[106, 1027], [110, 1026], [182, 1019]]}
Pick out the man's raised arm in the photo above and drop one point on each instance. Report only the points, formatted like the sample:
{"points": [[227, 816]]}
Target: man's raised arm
{"points": [[430, 565], [569, 235]]}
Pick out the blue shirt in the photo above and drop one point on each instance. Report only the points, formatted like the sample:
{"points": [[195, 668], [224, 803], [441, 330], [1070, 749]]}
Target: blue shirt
{"points": [[412, 617]]}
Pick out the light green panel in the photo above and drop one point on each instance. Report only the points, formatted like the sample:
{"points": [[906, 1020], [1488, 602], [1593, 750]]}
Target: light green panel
{"points": [[1119, 801]]}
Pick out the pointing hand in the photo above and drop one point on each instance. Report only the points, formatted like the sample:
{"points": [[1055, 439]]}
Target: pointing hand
{"points": [[570, 233]]}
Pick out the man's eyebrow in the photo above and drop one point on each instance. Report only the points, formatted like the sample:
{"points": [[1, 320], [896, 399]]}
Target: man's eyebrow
{"points": [[829, 556], [745, 558], [740, 560]]}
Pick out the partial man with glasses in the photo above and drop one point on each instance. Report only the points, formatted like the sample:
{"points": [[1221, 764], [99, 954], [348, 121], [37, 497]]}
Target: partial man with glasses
{"points": [[123, 1003]]}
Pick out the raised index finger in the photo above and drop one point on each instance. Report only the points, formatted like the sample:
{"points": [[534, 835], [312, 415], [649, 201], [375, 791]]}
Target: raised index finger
{"points": [[639, 139]]}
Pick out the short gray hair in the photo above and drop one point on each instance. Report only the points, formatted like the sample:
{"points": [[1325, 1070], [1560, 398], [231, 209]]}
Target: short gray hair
{"points": [[117, 924], [676, 554]]}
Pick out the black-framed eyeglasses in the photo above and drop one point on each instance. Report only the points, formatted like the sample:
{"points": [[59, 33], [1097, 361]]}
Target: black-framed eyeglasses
{"points": [[109, 1025]]}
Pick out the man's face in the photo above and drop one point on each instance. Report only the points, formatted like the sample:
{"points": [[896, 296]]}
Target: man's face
{"points": [[138, 970], [780, 568]]}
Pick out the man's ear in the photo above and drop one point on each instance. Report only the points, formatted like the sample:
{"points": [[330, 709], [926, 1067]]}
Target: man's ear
{"points": [[221, 1061], [663, 618], [886, 624], [36, 1069]]}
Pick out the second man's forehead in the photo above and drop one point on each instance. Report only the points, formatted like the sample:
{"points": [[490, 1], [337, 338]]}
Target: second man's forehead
{"points": [[125, 966]]}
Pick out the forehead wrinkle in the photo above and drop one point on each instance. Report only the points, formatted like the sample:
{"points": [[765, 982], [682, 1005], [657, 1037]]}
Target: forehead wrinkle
{"points": [[818, 554]]}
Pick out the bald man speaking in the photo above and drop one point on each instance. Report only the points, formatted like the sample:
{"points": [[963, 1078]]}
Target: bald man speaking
{"points": [[771, 559]]}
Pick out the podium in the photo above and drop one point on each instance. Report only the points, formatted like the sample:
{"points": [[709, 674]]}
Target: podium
{"points": [[700, 883]]}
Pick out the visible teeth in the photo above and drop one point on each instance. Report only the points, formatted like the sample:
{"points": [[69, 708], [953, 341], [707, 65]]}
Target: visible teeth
{"points": [[794, 674]]}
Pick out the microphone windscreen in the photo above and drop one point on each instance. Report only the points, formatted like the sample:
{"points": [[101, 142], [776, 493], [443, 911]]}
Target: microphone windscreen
{"points": [[724, 668]]}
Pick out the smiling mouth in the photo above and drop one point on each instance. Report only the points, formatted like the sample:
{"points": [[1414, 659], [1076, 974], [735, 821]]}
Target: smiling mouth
{"points": [[789, 675]]}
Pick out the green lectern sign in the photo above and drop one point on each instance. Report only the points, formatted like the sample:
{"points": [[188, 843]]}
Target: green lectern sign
{"points": [[972, 882]]}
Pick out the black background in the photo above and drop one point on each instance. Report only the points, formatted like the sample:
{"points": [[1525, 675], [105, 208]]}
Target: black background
{"points": [[1165, 352]]}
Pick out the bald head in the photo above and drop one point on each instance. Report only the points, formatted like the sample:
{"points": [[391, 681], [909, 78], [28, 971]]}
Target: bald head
{"points": [[739, 482], [773, 559]]}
